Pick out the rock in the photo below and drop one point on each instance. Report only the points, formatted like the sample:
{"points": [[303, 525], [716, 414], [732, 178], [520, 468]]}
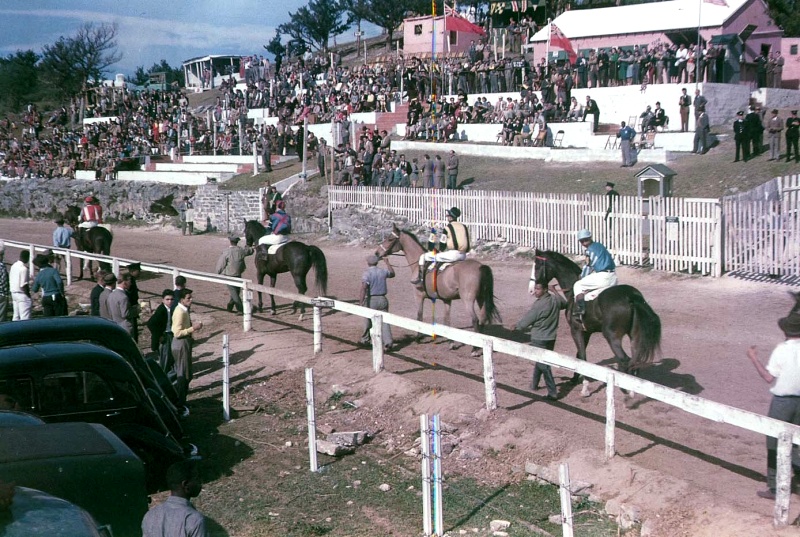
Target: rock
{"points": [[500, 534], [355, 438], [629, 516], [541, 471], [333, 449], [467, 453], [613, 507], [288, 443], [555, 519], [648, 528], [325, 428], [499, 525], [385, 488]]}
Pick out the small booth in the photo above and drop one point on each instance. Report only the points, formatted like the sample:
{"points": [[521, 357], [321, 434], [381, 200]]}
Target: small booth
{"points": [[655, 180]]}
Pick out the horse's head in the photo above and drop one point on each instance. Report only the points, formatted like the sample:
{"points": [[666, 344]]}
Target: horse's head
{"points": [[72, 215], [539, 271], [391, 244]]}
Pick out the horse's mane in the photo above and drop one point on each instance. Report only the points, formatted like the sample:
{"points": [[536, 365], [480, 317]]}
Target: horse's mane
{"points": [[412, 236], [563, 261]]}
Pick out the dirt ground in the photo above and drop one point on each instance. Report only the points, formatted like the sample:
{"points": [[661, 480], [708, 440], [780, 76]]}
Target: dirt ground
{"points": [[689, 476]]}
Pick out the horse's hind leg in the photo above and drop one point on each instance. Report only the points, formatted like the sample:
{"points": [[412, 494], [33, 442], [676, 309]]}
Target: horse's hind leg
{"points": [[300, 283], [272, 280], [615, 342]]}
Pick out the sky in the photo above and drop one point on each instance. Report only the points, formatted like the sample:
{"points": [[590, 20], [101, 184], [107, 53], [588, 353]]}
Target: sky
{"points": [[150, 30]]}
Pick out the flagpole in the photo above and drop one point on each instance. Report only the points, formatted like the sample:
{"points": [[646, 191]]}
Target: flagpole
{"points": [[547, 48], [697, 62]]}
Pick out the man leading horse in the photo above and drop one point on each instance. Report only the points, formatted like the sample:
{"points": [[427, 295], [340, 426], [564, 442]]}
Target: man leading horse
{"points": [[455, 236], [599, 272]]}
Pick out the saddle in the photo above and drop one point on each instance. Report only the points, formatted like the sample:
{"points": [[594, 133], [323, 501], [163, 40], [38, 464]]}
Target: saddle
{"points": [[273, 249]]}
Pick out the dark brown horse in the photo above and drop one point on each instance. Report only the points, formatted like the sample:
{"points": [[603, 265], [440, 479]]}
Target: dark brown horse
{"points": [[616, 312], [96, 240], [468, 280], [294, 257]]}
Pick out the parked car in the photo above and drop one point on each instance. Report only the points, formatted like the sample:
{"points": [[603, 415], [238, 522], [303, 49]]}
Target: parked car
{"points": [[83, 463], [63, 382], [14, 418], [106, 334], [34, 513]]}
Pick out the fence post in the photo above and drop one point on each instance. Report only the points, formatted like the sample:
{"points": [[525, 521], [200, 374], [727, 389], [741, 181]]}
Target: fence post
{"points": [[377, 343], [611, 416], [489, 383], [247, 303], [255, 159], [438, 513], [68, 266], [566, 500], [718, 238], [226, 379], [783, 481], [114, 266], [317, 330], [312, 421], [425, 446]]}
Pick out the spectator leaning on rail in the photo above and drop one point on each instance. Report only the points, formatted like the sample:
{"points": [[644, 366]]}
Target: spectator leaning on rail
{"points": [[782, 372], [598, 273]]}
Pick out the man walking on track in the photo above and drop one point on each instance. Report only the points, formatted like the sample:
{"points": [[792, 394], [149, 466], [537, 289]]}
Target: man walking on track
{"points": [[782, 372], [231, 263], [543, 322], [373, 295]]}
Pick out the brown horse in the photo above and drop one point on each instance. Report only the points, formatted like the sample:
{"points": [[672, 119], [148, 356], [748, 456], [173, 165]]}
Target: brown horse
{"points": [[96, 240], [469, 280]]}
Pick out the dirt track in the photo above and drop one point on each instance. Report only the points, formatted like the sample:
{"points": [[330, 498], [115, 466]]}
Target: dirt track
{"points": [[708, 325]]}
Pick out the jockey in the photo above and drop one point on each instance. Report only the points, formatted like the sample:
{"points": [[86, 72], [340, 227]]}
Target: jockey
{"points": [[91, 214], [281, 225], [599, 272], [454, 245]]}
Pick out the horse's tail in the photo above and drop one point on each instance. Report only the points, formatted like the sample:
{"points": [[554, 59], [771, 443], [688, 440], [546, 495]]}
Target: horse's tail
{"points": [[320, 268], [486, 294], [646, 332]]}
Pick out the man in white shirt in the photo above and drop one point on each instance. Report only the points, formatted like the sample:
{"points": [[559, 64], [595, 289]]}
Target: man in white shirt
{"points": [[19, 280], [782, 372]]}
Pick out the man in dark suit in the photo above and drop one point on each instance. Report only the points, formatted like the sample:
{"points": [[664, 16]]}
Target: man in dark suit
{"points": [[592, 108], [160, 326], [740, 137], [701, 129], [97, 290]]}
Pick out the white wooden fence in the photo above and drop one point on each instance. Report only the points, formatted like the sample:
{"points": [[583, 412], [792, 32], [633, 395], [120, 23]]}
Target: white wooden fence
{"points": [[786, 433], [674, 234], [762, 229]]}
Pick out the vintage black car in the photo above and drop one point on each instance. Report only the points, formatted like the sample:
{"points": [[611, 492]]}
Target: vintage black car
{"points": [[66, 382], [83, 463], [106, 334], [33, 513]]}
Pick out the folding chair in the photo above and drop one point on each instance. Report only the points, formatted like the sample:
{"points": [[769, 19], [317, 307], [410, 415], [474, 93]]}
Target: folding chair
{"points": [[558, 141], [611, 141], [649, 141]]}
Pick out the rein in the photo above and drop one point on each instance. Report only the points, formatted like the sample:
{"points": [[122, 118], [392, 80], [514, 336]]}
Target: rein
{"points": [[385, 249]]}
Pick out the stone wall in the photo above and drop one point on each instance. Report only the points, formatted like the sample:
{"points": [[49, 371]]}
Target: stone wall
{"points": [[224, 210], [121, 200]]}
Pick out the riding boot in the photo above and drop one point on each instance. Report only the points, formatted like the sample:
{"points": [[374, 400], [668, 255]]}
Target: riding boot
{"points": [[580, 307], [420, 275]]}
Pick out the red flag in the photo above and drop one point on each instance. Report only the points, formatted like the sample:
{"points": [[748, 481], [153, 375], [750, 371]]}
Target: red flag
{"points": [[559, 40], [514, 5], [722, 3]]}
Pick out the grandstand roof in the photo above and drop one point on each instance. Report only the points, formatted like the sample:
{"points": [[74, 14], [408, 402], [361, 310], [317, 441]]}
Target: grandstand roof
{"points": [[642, 18]]}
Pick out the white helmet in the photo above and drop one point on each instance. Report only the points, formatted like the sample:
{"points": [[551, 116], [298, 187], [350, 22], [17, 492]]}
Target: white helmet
{"points": [[584, 234]]}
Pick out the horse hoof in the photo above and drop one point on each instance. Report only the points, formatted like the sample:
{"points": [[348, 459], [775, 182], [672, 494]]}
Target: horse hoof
{"points": [[273, 312], [476, 353], [301, 317]]}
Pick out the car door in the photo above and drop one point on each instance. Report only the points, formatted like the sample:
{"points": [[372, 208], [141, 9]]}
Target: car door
{"points": [[86, 395]]}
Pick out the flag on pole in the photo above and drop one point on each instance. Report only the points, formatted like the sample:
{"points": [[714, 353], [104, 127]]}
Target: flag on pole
{"points": [[514, 5], [523, 5], [559, 40], [722, 3]]}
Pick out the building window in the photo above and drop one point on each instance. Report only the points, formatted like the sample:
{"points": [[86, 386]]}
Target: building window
{"points": [[453, 37], [793, 50], [417, 29]]}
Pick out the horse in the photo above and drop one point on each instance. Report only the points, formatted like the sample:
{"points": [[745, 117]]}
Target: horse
{"points": [[96, 240], [616, 312], [469, 280], [295, 257]]}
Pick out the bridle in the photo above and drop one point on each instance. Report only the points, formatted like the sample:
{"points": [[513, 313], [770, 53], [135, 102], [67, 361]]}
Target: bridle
{"points": [[539, 271], [395, 240]]}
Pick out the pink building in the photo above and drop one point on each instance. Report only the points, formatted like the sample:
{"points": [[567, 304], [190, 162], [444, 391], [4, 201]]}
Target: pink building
{"points": [[675, 21], [791, 57], [418, 35]]}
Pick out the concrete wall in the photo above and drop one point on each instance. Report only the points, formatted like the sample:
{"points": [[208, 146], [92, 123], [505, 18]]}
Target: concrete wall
{"points": [[777, 98], [546, 154]]}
